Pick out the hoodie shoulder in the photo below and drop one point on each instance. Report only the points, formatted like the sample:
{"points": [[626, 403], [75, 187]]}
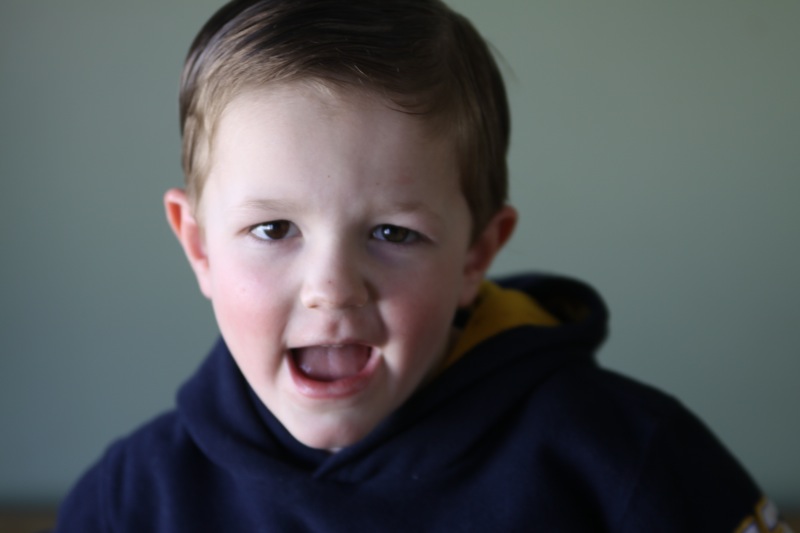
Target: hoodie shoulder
{"points": [[652, 464], [135, 472]]}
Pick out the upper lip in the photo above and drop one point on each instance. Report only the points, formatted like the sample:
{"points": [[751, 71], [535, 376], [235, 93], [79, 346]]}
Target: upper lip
{"points": [[332, 343]]}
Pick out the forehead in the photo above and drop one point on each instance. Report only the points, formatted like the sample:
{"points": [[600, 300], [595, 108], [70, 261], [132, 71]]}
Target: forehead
{"points": [[299, 128], [344, 104]]}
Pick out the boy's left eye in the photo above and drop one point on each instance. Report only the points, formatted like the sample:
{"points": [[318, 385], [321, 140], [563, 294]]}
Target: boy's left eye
{"points": [[395, 234]]}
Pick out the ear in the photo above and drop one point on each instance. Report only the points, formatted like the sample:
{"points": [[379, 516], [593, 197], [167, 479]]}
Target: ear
{"points": [[482, 252], [182, 220]]}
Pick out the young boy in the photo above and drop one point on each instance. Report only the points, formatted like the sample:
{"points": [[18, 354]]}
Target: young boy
{"points": [[345, 196]]}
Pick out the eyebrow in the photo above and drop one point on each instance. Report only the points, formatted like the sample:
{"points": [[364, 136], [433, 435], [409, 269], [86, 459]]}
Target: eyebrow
{"points": [[266, 204], [413, 207], [287, 206]]}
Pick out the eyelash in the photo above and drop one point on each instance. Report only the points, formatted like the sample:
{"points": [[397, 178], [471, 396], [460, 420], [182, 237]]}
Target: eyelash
{"points": [[283, 229]]}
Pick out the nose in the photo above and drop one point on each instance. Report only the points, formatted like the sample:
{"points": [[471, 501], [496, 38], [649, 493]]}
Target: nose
{"points": [[333, 280]]}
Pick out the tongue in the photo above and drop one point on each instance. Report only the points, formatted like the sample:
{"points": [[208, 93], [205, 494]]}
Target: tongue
{"points": [[330, 363]]}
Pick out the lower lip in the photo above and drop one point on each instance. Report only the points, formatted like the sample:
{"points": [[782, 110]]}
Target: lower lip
{"points": [[338, 389]]}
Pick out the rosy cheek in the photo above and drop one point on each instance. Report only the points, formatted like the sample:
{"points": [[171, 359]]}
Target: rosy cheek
{"points": [[237, 300], [421, 321]]}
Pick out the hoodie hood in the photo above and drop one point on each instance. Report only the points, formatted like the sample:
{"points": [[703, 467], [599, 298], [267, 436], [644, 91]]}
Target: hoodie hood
{"points": [[434, 430], [522, 432]]}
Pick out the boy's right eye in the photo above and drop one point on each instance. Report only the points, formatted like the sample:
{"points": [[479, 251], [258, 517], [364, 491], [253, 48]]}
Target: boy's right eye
{"points": [[273, 230]]}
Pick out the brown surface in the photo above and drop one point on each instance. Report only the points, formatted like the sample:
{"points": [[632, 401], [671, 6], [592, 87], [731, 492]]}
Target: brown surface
{"points": [[36, 521], [26, 520]]}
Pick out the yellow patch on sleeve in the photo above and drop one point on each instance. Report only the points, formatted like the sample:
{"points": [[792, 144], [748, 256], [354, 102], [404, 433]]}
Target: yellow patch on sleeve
{"points": [[766, 519]]}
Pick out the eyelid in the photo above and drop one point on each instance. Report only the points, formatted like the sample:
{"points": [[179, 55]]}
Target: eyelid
{"points": [[283, 229]]}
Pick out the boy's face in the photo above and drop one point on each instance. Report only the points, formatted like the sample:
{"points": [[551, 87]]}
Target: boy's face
{"points": [[335, 250]]}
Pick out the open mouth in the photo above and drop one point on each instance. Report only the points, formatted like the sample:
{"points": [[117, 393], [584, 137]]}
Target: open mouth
{"points": [[337, 371], [331, 363], [333, 371]]}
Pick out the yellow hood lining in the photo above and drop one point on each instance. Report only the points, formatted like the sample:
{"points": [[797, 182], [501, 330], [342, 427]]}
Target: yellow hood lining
{"points": [[496, 310]]}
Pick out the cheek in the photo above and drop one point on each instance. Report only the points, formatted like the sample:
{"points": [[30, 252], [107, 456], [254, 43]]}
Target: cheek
{"points": [[421, 317], [247, 308]]}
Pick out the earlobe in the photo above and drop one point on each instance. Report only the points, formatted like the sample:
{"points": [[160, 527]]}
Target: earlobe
{"points": [[181, 219], [483, 251]]}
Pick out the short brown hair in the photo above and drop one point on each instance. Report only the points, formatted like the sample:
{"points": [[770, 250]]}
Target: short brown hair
{"points": [[420, 54]]}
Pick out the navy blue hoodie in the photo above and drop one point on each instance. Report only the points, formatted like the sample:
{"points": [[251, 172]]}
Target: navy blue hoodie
{"points": [[523, 433]]}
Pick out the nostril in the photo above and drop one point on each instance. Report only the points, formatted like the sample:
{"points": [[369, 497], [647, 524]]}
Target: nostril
{"points": [[333, 277], [332, 293]]}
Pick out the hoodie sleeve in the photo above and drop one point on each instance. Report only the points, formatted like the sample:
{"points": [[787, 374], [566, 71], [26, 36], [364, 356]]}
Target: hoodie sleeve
{"points": [[83, 510]]}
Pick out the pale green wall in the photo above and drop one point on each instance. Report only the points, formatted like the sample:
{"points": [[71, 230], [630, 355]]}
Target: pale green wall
{"points": [[656, 154]]}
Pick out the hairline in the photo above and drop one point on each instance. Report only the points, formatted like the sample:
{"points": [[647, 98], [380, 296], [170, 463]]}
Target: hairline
{"points": [[465, 97]]}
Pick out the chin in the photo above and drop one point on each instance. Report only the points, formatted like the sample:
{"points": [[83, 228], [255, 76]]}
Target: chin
{"points": [[331, 436]]}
